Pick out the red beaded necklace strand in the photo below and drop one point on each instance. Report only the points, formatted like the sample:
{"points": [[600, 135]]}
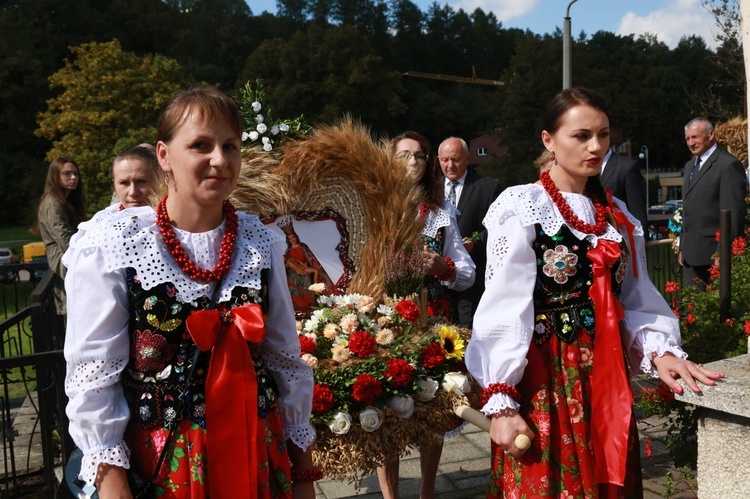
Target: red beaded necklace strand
{"points": [[599, 228], [180, 256]]}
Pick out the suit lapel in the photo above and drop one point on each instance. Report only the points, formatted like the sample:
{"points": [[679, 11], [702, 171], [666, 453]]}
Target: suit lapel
{"points": [[609, 170], [466, 192], [704, 168]]}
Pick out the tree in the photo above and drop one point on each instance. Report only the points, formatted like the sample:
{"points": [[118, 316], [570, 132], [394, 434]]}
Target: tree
{"points": [[325, 73], [109, 100]]}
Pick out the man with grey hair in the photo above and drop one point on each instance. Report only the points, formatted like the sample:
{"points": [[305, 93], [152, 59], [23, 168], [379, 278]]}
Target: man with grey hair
{"points": [[472, 196], [713, 180]]}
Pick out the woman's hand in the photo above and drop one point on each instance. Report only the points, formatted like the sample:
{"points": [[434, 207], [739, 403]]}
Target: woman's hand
{"points": [[505, 427], [670, 368], [303, 490], [112, 482], [434, 264]]}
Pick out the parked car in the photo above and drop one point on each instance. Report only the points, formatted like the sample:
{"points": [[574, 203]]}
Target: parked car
{"points": [[661, 209], [677, 203]]}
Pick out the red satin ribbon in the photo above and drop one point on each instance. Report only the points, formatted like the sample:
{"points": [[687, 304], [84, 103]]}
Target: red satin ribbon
{"points": [[231, 398], [623, 220], [611, 403]]}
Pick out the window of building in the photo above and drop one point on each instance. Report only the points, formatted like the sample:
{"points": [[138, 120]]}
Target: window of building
{"points": [[481, 151]]}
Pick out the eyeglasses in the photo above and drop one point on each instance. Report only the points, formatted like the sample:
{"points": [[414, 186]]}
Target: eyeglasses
{"points": [[418, 156]]}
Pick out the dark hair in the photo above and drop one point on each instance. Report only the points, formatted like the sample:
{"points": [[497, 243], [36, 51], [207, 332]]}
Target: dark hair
{"points": [[139, 153], [73, 201], [560, 104], [433, 191], [205, 102]]}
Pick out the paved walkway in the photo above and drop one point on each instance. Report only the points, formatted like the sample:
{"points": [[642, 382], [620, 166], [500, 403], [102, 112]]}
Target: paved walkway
{"points": [[465, 467]]}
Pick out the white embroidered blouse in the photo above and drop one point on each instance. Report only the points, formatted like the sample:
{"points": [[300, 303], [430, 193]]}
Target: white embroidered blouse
{"points": [[453, 247], [504, 320], [97, 342]]}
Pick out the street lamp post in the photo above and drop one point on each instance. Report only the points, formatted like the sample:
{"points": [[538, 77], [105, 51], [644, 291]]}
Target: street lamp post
{"points": [[567, 64], [642, 155]]}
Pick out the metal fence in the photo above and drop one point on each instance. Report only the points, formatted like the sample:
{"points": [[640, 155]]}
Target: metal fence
{"points": [[662, 264], [32, 369]]}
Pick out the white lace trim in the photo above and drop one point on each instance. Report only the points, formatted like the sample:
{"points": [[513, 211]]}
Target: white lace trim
{"points": [[435, 219], [652, 345], [93, 375], [302, 436], [130, 238], [497, 403], [532, 205], [116, 455]]}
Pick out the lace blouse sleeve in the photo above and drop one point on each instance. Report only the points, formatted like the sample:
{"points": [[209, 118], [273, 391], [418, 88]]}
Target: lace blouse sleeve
{"points": [[504, 318], [651, 326], [96, 352], [453, 248], [281, 353]]}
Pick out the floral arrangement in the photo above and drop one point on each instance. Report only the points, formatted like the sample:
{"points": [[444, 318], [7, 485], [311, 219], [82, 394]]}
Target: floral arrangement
{"points": [[706, 339], [675, 229], [385, 379], [261, 128]]}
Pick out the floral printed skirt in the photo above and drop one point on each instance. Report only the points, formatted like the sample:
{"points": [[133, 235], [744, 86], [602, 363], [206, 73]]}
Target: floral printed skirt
{"points": [[184, 473], [556, 404]]}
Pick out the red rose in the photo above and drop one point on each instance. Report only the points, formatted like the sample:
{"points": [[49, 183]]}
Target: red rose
{"points": [[433, 355], [671, 287], [747, 328], [306, 345], [400, 372], [322, 399], [366, 388], [362, 344], [408, 310]]}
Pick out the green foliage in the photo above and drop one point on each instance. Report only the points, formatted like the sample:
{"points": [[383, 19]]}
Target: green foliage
{"points": [[706, 339], [109, 99]]}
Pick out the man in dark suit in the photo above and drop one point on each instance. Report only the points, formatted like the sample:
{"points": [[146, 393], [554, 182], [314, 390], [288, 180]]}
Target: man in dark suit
{"points": [[623, 176], [712, 180], [472, 195]]}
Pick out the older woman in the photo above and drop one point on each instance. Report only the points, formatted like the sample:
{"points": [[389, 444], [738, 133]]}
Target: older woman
{"points": [[447, 265], [144, 282]]}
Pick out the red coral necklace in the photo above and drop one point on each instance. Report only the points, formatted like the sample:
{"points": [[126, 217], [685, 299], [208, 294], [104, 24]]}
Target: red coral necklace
{"points": [[180, 256], [599, 228]]}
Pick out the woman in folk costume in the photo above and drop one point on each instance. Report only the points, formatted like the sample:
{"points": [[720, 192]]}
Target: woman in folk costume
{"points": [[447, 265], [147, 289], [567, 310]]}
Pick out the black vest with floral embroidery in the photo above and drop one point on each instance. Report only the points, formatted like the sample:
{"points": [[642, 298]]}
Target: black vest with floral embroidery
{"points": [[435, 290], [161, 350], [562, 305]]}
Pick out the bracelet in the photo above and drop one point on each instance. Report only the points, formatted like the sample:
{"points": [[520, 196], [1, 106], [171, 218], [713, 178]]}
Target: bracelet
{"points": [[306, 475], [509, 390], [450, 273]]}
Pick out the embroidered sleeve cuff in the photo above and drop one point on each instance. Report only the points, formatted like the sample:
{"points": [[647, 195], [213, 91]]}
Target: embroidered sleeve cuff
{"points": [[657, 344], [497, 403], [116, 455], [303, 436]]}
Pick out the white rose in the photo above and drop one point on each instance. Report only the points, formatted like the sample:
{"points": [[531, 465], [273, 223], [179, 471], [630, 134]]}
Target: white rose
{"points": [[402, 406], [275, 130], [245, 136], [261, 128], [457, 383], [253, 135], [370, 419], [318, 287], [265, 140], [256, 106], [267, 146], [259, 118], [284, 127], [299, 326], [341, 423], [429, 386]]}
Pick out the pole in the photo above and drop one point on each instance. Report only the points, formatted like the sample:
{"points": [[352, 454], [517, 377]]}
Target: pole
{"points": [[725, 258], [567, 63], [644, 154]]}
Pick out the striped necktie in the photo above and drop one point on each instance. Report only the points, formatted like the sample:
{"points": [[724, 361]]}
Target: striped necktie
{"points": [[452, 194], [694, 171]]}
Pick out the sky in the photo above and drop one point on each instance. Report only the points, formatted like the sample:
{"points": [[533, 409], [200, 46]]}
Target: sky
{"points": [[669, 20]]}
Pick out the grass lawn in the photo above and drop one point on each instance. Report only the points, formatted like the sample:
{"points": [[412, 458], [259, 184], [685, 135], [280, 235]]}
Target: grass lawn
{"points": [[16, 237]]}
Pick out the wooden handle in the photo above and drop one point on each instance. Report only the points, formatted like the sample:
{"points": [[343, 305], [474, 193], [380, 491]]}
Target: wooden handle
{"points": [[474, 417], [522, 442]]}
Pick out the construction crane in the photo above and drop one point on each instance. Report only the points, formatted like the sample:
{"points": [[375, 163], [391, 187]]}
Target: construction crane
{"points": [[458, 79]]}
